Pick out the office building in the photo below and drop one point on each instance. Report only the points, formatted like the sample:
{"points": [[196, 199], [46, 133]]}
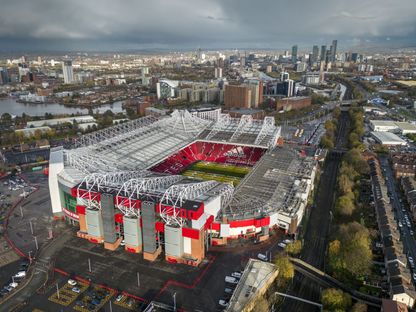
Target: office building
{"points": [[294, 53], [4, 77], [218, 72], [293, 103], [237, 96], [334, 50], [323, 53], [315, 54], [67, 71]]}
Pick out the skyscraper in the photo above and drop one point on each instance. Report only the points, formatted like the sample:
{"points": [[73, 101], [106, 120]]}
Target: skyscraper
{"points": [[67, 71], [334, 50], [294, 53], [323, 53], [315, 54]]}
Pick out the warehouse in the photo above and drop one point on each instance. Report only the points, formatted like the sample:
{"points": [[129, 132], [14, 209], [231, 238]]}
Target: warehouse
{"points": [[387, 138]]}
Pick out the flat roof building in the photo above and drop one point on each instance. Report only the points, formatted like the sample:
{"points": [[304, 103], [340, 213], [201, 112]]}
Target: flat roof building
{"points": [[387, 138]]}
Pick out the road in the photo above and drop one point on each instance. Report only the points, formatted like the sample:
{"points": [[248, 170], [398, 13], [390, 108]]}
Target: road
{"points": [[316, 236], [409, 242]]}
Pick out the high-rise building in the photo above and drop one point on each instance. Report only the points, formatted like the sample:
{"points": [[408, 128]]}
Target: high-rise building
{"points": [[4, 77], [237, 96], [218, 72], [315, 54], [323, 53], [334, 50], [67, 71], [294, 53]]}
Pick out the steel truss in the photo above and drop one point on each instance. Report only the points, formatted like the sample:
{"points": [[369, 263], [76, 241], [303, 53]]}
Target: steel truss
{"points": [[86, 161], [245, 123], [267, 129], [183, 122], [276, 135], [223, 122], [226, 192], [105, 134], [97, 183], [175, 196], [133, 188]]}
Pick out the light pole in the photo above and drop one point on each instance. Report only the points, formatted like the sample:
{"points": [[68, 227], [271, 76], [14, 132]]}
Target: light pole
{"points": [[31, 226], [36, 243], [138, 279], [174, 301], [111, 307], [21, 211], [57, 290], [89, 265], [30, 256]]}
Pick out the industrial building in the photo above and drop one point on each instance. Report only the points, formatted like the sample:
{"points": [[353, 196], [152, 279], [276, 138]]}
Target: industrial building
{"points": [[387, 138], [393, 126], [126, 183]]}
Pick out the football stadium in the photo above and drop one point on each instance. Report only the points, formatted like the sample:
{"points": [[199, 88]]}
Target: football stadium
{"points": [[172, 186]]}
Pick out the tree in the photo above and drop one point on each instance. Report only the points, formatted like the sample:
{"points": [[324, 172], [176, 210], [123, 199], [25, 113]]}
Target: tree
{"points": [[327, 142], [336, 112], [294, 248], [345, 204], [359, 307], [335, 300], [355, 248], [345, 185], [285, 267]]}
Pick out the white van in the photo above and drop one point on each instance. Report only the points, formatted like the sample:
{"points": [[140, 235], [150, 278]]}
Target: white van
{"points": [[262, 257]]}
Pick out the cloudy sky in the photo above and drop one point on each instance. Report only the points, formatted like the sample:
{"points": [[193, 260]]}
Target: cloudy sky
{"points": [[187, 24]]}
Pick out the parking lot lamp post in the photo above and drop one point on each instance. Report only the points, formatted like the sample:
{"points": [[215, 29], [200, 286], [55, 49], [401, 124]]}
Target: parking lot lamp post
{"points": [[36, 243], [111, 307], [57, 290], [89, 265], [138, 279], [174, 302], [31, 226], [30, 256]]}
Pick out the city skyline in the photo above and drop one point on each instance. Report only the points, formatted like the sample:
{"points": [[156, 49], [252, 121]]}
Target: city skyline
{"points": [[137, 25]]}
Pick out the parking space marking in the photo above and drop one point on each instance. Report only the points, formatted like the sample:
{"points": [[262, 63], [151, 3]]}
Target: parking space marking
{"points": [[66, 295]]}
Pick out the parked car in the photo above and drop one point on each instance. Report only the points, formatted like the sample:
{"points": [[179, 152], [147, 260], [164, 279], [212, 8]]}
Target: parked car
{"points": [[236, 274], [223, 303], [20, 274], [231, 280], [228, 290], [76, 290], [281, 245], [119, 297], [262, 257], [72, 282]]}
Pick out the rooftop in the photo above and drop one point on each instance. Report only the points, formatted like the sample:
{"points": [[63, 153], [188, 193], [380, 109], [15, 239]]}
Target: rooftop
{"points": [[257, 274]]}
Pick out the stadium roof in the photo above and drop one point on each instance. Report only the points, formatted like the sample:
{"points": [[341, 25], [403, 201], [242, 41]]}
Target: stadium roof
{"points": [[276, 183], [144, 142]]}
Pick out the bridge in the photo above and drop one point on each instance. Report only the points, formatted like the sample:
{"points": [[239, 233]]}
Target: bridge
{"points": [[328, 281]]}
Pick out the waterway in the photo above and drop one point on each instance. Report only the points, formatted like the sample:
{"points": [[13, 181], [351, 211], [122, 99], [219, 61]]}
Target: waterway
{"points": [[9, 105]]}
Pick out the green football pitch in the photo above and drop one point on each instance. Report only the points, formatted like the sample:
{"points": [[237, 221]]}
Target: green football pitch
{"points": [[217, 172]]}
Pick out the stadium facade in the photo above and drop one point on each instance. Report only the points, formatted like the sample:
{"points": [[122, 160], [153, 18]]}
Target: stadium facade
{"points": [[126, 182]]}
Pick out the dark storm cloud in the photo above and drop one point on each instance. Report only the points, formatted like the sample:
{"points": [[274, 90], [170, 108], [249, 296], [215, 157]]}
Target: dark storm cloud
{"points": [[189, 23]]}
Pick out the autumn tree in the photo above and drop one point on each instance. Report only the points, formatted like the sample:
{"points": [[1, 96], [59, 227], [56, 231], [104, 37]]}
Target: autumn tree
{"points": [[335, 300]]}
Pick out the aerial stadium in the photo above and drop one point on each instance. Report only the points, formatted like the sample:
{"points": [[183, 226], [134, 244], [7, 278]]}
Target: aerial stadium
{"points": [[173, 186]]}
